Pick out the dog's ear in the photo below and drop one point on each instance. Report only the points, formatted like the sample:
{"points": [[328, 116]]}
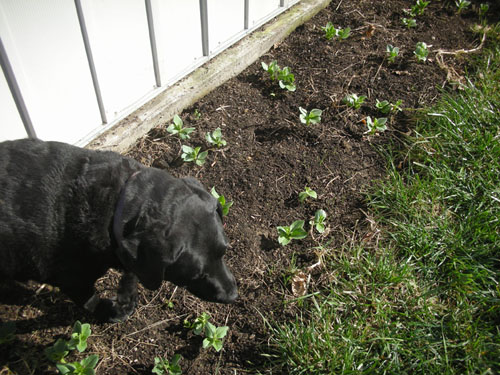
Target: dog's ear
{"points": [[141, 228]]}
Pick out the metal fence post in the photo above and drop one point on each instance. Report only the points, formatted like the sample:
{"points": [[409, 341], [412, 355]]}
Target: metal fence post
{"points": [[204, 27], [15, 91], [90, 59], [152, 40], [247, 14]]}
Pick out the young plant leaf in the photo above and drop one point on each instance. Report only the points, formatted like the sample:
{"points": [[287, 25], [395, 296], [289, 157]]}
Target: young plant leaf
{"points": [[190, 154], [214, 336], [293, 232], [58, 351], [177, 128], [312, 117], [222, 200], [354, 101], [319, 220], [307, 193], [215, 138], [164, 367]]}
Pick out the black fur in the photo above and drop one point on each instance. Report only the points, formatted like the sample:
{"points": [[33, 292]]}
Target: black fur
{"points": [[69, 214]]}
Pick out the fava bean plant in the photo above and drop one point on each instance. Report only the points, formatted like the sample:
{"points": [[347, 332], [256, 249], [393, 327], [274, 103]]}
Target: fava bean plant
{"points": [[214, 336], [462, 5], [177, 128], [57, 353], [319, 221], [193, 154], [391, 52], [419, 7], [376, 125], [354, 101], [295, 231], [165, 367], [285, 78], [332, 32], [307, 193], [409, 22], [222, 200], [421, 51], [312, 117], [215, 138]]}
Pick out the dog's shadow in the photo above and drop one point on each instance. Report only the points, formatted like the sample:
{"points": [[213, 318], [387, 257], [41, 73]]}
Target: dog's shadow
{"points": [[29, 307], [33, 306]]}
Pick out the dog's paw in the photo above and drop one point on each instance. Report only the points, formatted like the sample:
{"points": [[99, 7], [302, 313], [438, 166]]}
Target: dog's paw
{"points": [[111, 311]]}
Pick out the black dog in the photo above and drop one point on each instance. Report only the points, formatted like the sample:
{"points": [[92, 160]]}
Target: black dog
{"points": [[69, 214]]}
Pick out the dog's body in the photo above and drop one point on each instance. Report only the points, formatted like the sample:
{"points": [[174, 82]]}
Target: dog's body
{"points": [[69, 214]]}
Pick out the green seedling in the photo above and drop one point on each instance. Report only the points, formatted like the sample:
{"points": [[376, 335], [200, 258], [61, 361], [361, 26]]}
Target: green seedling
{"points": [[214, 336], [313, 117], [85, 367], [376, 125], [286, 79], [483, 9], [421, 52], [198, 326], [7, 332], [409, 22], [392, 53], [332, 32], [354, 101], [461, 5], [164, 367], [419, 7], [177, 128], [307, 193], [272, 69], [319, 221], [383, 106], [343, 33], [396, 107], [81, 333], [284, 76], [190, 154], [58, 351], [215, 138], [196, 114], [293, 232], [222, 200]]}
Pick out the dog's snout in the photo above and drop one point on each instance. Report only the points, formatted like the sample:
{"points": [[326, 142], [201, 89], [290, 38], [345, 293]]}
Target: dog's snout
{"points": [[233, 296]]}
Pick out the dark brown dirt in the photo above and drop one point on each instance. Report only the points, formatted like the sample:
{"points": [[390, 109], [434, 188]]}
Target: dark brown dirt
{"points": [[269, 158]]}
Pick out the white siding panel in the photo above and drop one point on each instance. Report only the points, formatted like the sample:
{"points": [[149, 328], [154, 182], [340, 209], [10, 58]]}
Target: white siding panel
{"points": [[226, 19], [260, 9], [119, 39], [178, 36], [11, 125], [44, 45]]}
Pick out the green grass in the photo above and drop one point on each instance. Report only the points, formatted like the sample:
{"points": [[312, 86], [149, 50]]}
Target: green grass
{"points": [[426, 300]]}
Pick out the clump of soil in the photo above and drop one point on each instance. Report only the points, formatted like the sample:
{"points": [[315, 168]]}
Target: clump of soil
{"points": [[269, 159]]}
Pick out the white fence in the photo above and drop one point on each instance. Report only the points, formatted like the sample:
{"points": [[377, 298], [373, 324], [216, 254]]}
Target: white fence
{"points": [[73, 68]]}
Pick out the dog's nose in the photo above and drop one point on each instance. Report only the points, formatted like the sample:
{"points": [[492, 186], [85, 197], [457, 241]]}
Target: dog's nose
{"points": [[232, 296]]}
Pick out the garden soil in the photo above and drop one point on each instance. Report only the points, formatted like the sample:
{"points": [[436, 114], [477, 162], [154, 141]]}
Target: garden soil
{"points": [[270, 157]]}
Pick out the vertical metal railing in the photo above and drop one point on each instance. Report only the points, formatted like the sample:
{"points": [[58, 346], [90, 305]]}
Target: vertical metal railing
{"points": [[204, 27], [16, 92], [247, 15], [90, 59], [152, 40]]}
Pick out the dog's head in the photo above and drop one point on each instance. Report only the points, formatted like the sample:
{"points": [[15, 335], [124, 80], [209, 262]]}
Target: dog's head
{"points": [[171, 229]]}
